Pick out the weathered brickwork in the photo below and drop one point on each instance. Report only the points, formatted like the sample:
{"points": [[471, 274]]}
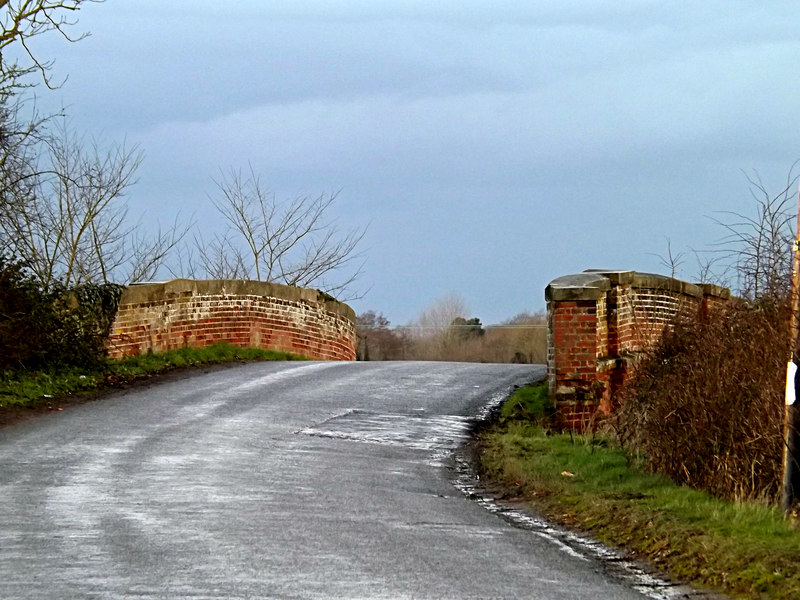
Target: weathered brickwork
{"points": [[653, 310], [598, 322], [602, 327], [179, 313]]}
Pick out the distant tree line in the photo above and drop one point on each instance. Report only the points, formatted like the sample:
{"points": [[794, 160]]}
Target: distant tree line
{"points": [[442, 333]]}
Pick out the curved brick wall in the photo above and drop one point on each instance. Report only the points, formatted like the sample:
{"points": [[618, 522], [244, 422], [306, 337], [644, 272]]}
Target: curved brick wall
{"points": [[164, 316], [598, 321]]}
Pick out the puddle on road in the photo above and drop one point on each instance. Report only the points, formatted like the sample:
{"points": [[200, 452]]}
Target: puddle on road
{"points": [[416, 429], [444, 437], [437, 434]]}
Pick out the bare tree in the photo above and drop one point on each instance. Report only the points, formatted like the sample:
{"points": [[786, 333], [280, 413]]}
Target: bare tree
{"points": [[429, 331], [62, 207], [21, 127], [760, 246], [375, 341], [22, 20], [710, 269], [69, 221], [20, 145], [292, 242], [437, 318]]}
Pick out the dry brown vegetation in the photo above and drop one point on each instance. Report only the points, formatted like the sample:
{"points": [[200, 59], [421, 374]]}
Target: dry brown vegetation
{"points": [[705, 406], [522, 339]]}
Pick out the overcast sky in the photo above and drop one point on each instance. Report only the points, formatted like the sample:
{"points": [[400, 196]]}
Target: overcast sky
{"points": [[489, 146]]}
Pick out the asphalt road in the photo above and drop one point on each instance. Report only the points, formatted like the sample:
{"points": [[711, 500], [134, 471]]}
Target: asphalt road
{"points": [[274, 480]]}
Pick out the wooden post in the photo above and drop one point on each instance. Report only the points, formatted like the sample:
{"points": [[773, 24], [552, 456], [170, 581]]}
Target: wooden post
{"points": [[790, 450]]}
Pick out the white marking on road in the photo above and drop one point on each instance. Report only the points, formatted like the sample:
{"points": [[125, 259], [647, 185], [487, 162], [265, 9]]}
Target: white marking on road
{"points": [[281, 375], [440, 435]]}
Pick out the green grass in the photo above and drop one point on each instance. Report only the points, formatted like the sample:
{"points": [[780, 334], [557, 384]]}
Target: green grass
{"points": [[31, 388], [745, 550], [529, 403]]}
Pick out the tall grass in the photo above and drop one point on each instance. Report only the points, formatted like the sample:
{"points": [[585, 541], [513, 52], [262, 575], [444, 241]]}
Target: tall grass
{"points": [[521, 339]]}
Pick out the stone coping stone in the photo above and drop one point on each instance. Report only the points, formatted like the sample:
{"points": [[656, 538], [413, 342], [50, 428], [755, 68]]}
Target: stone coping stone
{"points": [[614, 276], [592, 284], [710, 289], [581, 286], [141, 293]]}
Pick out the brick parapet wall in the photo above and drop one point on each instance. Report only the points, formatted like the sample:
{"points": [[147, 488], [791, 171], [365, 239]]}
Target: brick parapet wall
{"points": [[599, 321], [179, 313]]}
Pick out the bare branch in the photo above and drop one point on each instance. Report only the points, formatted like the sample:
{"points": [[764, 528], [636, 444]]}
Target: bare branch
{"points": [[69, 222], [148, 253], [22, 20], [293, 242], [759, 246], [218, 259], [671, 261]]}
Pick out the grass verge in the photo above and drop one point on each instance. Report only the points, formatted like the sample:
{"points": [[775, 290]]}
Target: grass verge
{"points": [[29, 389], [589, 483]]}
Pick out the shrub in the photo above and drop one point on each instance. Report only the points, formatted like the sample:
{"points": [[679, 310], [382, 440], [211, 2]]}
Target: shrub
{"points": [[22, 320], [54, 326], [705, 405]]}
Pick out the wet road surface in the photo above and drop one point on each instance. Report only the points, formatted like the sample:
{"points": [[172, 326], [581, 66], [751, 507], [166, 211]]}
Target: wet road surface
{"points": [[276, 480]]}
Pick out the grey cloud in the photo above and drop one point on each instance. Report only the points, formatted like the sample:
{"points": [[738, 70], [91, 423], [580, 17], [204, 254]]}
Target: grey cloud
{"points": [[470, 133]]}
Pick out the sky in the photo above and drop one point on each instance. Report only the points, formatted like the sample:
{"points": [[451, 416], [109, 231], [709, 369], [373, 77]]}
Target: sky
{"points": [[488, 147]]}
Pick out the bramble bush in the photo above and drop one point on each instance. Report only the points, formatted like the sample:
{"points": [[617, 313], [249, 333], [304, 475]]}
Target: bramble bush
{"points": [[705, 405]]}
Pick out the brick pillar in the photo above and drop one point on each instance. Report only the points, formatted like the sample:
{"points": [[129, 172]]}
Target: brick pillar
{"points": [[575, 330], [575, 338], [599, 322]]}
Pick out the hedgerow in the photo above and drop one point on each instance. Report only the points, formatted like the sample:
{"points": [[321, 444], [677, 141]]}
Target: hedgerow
{"points": [[52, 326]]}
